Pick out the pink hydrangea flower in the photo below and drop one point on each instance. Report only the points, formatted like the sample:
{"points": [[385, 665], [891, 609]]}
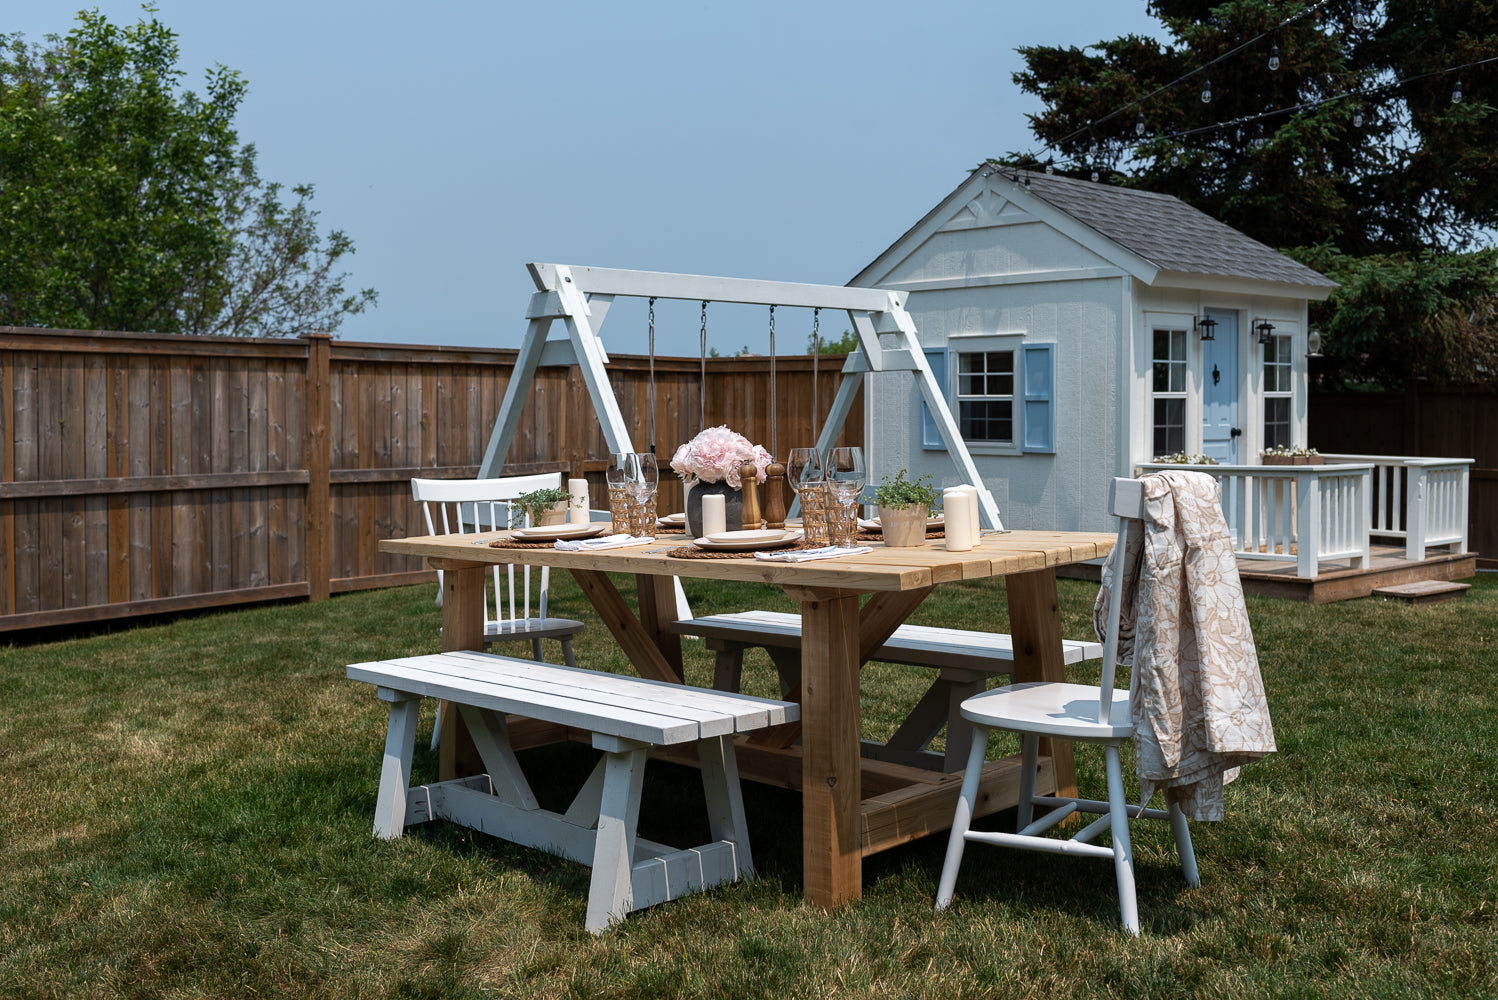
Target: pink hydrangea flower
{"points": [[715, 456]]}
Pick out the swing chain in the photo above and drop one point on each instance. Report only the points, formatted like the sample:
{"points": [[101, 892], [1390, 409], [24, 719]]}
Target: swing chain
{"points": [[652, 374], [702, 362], [816, 350], [773, 442]]}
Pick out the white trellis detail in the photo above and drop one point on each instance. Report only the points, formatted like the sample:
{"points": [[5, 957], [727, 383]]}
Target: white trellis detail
{"points": [[581, 296]]}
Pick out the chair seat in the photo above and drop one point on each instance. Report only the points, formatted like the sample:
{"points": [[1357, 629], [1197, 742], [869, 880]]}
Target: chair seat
{"points": [[1050, 708], [532, 628]]}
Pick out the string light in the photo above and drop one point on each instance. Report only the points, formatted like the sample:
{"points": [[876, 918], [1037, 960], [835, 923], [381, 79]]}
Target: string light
{"points": [[1274, 58], [1139, 124], [1456, 93], [1357, 118], [1207, 91]]}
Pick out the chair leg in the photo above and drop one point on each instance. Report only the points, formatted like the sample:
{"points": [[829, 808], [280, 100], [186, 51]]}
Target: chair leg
{"points": [[536, 653], [1029, 764], [1123, 851], [962, 818], [567, 656], [1183, 845]]}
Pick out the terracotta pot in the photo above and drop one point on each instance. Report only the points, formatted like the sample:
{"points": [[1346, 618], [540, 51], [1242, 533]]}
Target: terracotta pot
{"points": [[904, 528]]}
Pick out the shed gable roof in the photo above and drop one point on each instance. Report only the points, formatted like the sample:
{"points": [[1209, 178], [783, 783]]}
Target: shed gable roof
{"points": [[1151, 235], [1168, 232]]}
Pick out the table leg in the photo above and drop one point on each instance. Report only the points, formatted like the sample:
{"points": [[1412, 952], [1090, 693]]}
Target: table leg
{"points": [[830, 765], [657, 599], [639, 641], [1035, 624], [462, 628]]}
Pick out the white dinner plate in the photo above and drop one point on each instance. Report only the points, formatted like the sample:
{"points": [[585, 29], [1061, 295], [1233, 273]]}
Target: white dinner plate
{"points": [[553, 532], [745, 541], [677, 519]]}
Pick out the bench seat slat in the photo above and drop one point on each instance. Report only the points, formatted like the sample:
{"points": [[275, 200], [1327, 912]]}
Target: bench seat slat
{"points": [[917, 645], [621, 722], [752, 711]]}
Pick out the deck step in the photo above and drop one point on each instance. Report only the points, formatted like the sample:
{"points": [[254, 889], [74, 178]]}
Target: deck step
{"points": [[1425, 591]]}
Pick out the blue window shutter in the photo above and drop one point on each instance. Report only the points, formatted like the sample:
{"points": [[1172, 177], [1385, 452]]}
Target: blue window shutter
{"points": [[1039, 423], [936, 357]]}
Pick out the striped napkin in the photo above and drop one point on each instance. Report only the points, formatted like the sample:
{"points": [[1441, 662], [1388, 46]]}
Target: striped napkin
{"points": [[606, 542], [807, 555]]}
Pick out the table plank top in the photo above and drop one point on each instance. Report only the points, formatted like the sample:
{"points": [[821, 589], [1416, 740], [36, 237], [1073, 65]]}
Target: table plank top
{"points": [[884, 568]]}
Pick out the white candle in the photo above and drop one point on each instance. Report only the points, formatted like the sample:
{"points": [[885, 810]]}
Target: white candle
{"points": [[714, 513], [956, 508], [973, 511], [577, 511]]}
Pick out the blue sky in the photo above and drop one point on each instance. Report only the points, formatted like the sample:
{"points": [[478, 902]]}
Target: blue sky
{"points": [[455, 141]]}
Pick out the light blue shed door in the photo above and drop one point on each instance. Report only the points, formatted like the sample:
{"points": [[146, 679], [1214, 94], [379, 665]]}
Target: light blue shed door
{"points": [[1220, 396]]}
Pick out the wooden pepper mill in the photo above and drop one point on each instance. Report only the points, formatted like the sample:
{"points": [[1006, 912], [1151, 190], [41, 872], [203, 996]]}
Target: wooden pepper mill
{"points": [[775, 506], [749, 490]]}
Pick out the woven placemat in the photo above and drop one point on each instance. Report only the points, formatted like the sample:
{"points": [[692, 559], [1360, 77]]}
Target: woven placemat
{"points": [[510, 543], [878, 536], [692, 552]]}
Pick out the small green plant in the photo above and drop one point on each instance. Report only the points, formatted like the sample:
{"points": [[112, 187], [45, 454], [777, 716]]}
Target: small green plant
{"points": [[535, 503], [1181, 458], [1281, 449], [899, 493]]}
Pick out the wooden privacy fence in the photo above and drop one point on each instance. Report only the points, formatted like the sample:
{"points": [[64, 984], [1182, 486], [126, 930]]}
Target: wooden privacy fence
{"points": [[1425, 422], [148, 473]]}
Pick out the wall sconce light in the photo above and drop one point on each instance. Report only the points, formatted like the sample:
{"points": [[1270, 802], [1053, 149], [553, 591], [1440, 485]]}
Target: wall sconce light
{"points": [[1313, 344], [1207, 327], [1266, 332]]}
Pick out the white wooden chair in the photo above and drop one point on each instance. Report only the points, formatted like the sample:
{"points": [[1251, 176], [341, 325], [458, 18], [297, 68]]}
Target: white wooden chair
{"points": [[468, 505], [1081, 713]]}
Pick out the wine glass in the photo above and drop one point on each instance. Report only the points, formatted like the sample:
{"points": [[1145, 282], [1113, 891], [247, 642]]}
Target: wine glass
{"points": [[845, 474], [644, 478], [803, 470], [618, 476]]}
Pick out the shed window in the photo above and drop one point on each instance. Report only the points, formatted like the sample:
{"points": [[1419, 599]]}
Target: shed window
{"points": [[1168, 382], [1278, 369], [985, 396]]}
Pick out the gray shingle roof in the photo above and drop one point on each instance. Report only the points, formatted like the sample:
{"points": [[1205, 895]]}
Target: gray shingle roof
{"points": [[1167, 232]]}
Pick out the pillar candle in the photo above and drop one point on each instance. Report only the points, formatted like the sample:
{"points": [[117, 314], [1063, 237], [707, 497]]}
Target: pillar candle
{"points": [[957, 507], [577, 511], [973, 511], [714, 514]]}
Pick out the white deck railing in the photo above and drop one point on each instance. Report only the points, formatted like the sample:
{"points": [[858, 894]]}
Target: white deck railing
{"points": [[1303, 514], [1422, 500]]}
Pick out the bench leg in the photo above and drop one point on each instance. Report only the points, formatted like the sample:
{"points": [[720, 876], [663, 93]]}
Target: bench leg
{"points": [[728, 668], [725, 800], [395, 772], [491, 737], [611, 894]]}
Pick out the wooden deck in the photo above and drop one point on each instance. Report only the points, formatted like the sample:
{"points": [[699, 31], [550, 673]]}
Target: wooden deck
{"points": [[1336, 580]]}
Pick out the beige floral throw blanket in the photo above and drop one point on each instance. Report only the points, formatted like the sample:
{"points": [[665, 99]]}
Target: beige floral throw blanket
{"points": [[1199, 709]]}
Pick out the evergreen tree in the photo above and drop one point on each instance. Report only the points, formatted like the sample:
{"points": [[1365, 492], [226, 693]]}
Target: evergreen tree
{"points": [[1360, 137]]}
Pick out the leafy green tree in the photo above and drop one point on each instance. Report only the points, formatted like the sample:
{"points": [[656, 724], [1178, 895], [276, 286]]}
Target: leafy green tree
{"points": [[845, 344], [1332, 127], [130, 204]]}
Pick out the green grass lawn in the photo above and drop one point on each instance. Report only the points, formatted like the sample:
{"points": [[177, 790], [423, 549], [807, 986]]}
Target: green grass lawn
{"points": [[187, 809]]}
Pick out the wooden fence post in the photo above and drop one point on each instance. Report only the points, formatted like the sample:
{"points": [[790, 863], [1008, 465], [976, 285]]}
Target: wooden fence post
{"points": [[317, 542]]}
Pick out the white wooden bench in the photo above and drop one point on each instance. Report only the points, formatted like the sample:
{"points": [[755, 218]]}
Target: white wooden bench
{"points": [[964, 660], [626, 715]]}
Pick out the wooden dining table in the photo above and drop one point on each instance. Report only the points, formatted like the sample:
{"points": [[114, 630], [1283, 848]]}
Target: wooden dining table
{"points": [[852, 805]]}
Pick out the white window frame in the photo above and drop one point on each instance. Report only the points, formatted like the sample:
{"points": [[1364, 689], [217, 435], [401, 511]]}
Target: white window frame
{"points": [[1283, 342], [1183, 394], [960, 344]]}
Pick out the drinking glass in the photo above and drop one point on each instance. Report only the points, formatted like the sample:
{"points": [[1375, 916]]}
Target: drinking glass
{"points": [[618, 476], [844, 470], [803, 470], [644, 478]]}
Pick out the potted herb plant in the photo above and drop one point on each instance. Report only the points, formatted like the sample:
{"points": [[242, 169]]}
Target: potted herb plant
{"points": [[904, 504], [548, 506]]}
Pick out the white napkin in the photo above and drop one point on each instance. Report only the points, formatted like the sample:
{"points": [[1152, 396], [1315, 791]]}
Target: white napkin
{"points": [[807, 555], [606, 542]]}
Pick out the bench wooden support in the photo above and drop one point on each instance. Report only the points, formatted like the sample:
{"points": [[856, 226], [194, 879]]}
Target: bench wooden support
{"points": [[628, 717]]}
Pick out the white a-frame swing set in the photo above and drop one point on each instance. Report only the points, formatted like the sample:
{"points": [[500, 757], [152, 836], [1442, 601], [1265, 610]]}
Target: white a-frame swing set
{"points": [[581, 296]]}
